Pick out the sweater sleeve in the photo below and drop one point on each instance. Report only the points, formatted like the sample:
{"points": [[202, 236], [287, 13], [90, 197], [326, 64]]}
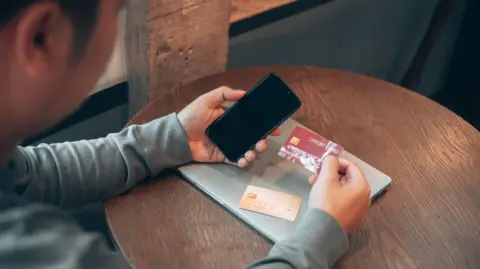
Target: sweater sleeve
{"points": [[77, 173], [318, 242]]}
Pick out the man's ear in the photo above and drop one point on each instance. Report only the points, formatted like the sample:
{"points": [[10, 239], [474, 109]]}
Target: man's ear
{"points": [[43, 39]]}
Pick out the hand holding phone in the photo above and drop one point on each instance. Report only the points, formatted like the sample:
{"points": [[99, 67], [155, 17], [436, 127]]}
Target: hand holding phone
{"points": [[252, 118], [201, 113]]}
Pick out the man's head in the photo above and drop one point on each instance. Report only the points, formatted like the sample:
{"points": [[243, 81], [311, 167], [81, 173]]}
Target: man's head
{"points": [[52, 53]]}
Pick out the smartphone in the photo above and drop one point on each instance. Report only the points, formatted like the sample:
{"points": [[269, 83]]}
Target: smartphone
{"points": [[252, 118]]}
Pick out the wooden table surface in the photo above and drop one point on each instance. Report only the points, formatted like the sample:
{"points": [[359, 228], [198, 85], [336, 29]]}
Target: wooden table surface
{"points": [[430, 218]]}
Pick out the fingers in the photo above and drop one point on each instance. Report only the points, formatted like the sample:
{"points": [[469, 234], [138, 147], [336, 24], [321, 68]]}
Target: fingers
{"points": [[351, 170], [223, 94], [261, 146], [353, 175], [329, 170], [276, 132], [242, 163], [250, 156], [247, 158]]}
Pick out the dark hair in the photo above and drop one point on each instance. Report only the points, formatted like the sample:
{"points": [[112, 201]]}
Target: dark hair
{"points": [[82, 13]]}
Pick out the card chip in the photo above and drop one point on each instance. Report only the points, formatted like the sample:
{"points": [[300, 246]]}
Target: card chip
{"points": [[294, 141]]}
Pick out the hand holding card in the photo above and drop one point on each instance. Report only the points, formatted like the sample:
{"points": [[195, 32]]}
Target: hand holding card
{"points": [[308, 149], [345, 197]]}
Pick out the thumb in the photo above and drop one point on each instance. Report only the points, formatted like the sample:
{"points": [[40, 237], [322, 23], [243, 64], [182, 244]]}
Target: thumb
{"points": [[223, 94], [329, 171]]}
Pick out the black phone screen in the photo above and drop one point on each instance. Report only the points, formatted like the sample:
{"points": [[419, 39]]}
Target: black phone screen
{"points": [[252, 118]]}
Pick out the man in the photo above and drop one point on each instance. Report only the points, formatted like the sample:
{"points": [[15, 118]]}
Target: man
{"points": [[52, 53]]}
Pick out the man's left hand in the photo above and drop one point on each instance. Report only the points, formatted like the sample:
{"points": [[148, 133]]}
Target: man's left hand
{"points": [[196, 117]]}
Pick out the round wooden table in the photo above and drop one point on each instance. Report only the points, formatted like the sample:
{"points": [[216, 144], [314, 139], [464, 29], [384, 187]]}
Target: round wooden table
{"points": [[430, 218]]}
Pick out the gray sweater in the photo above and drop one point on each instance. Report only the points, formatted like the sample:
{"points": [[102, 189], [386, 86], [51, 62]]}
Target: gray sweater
{"points": [[41, 181]]}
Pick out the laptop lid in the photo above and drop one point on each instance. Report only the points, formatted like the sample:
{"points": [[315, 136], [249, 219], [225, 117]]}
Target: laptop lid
{"points": [[227, 183]]}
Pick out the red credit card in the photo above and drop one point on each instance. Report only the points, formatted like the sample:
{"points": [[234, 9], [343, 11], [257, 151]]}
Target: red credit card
{"points": [[308, 149]]}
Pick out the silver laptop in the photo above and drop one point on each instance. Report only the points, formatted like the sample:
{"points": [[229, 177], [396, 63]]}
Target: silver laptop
{"points": [[226, 183]]}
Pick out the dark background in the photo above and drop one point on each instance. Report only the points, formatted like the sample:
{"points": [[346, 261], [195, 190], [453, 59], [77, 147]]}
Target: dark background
{"points": [[461, 93]]}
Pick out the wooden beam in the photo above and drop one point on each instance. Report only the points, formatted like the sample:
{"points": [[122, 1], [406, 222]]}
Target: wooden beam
{"points": [[172, 42], [242, 9]]}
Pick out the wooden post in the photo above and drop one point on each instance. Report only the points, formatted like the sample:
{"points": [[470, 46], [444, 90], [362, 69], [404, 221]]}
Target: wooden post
{"points": [[172, 42]]}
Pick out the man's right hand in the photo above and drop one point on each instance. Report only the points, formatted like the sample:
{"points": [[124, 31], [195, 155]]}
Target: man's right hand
{"points": [[342, 191]]}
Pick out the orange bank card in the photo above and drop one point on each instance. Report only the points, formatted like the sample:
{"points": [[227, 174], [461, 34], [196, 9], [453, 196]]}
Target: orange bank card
{"points": [[272, 203]]}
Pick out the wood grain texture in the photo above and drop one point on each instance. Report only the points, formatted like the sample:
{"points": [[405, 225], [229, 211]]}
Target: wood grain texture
{"points": [[429, 219], [173, 42], [242, 9]]}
